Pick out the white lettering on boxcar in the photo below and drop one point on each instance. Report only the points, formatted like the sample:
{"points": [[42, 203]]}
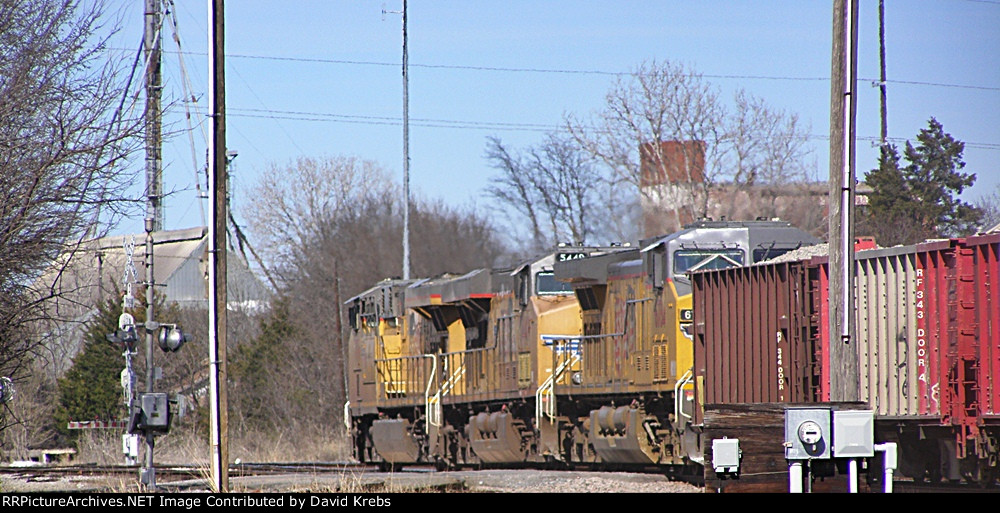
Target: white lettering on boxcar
{"points": [[921, 333], [781, 371]]}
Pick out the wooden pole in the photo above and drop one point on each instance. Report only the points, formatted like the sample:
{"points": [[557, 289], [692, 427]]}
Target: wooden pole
{"points": [[217, 272], [884, 134], [406, 154], [843, 351]]}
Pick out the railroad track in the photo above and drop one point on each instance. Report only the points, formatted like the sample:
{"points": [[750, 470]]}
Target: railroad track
{"points": [[943, 487], [180, 473], [173, 472]]}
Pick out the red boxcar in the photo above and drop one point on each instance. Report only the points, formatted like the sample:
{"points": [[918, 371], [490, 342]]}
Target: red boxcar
{"points": [[927, 333], [757, 334], [976, 342]]}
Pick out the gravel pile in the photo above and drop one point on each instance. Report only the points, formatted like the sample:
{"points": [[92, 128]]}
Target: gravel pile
{"points": [[803, 253]]}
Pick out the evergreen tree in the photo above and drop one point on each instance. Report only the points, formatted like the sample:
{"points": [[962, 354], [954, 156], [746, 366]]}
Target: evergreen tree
{"points": [[916, 201], [259, 367], [91, 389]]}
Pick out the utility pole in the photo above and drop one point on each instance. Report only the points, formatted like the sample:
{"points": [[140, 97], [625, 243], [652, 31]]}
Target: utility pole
{"points": [[406, 155], [154, 208], [881, 54], [218, 402], [153, 118], [148, 473], [406, 147], [843, 350]]}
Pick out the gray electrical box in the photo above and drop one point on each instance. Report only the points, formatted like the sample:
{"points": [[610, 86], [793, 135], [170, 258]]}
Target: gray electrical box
{"points": [[150, 413], [807, 433], [155, 410], [854, 434], [726, 455]]}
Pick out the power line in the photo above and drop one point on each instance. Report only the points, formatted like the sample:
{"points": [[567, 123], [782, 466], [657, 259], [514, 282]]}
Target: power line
{"points": [[477, 125], [582, 71], [898, 140], [598, 72], [480, 125], [441, 124], [935, 84], [395, 119]]}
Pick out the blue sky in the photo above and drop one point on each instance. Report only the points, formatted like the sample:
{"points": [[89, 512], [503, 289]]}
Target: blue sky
{"points": [[323, 78]]}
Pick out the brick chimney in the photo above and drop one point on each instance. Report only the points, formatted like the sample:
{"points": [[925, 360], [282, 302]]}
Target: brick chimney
{"points": [[668, 179]]}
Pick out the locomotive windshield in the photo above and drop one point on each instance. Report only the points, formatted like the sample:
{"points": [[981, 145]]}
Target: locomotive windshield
{"points": [[546, 283], [761, 254], [698, 259]]}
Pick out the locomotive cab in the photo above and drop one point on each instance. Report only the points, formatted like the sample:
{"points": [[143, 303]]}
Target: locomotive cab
{"points": [[634, 402], [376, 341]]}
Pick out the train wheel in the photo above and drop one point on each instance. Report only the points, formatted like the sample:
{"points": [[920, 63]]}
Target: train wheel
{"points": [[985, 476], [931, 474], [990, 475]]}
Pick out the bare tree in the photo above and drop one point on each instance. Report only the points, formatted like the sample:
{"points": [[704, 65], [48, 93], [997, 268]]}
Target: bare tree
{"points": [[764, 146], [27, 421], [665, 131], [292, 198], [989, 204], [330, 229], [554, 187], [64, 139]]}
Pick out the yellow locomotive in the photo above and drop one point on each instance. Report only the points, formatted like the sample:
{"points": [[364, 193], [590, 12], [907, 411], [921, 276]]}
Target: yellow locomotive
{"points": [[582, 355]]}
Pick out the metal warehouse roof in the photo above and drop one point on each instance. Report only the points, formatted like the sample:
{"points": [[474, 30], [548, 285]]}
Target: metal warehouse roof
{"points": [[85, 277], [92, 273]]}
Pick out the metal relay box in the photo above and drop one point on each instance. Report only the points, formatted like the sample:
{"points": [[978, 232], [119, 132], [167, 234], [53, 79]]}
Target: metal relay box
{"points": [[726, 455], [150, 413], [854, 434]]}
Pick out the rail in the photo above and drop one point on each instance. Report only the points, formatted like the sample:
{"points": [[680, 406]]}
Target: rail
{"points": [[399, 377], [433, 404], [471, 372], [686, 378], [433, 408], [598, 359], [347, 417], [548, 386]]}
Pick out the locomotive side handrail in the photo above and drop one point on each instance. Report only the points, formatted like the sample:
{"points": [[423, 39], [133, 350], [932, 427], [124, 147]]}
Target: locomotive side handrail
{"points": [[347, 417], [548, 387], [686, 378], [433, 408], [403, 379]]}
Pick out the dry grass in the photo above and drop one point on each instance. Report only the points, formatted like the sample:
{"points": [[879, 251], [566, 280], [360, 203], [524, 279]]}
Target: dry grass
{"points": [[289, 444], [184, 446]]}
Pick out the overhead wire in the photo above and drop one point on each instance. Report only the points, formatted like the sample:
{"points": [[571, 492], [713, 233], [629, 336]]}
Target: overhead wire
{"points": [[590, 72], [466, 124], [476, 125], [582, 71], [188, 92], [523, 127]]}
